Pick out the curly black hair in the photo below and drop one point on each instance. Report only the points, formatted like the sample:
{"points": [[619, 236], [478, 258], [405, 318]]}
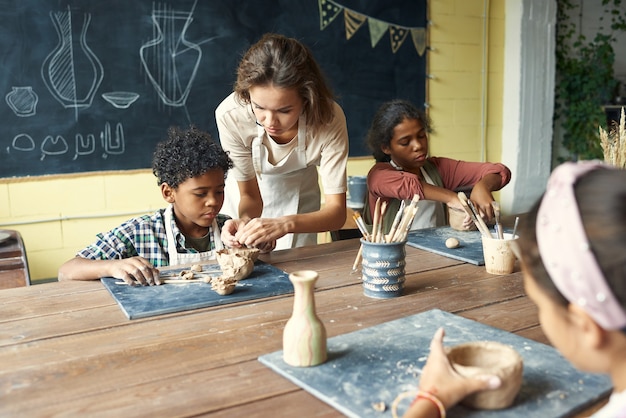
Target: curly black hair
{"points": [[388, 116], [185, 154]]}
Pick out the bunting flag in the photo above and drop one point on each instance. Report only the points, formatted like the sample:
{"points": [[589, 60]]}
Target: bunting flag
{"points": [[377, 30], [397, 36], [419, 40], [328, 12], [353, 21]]}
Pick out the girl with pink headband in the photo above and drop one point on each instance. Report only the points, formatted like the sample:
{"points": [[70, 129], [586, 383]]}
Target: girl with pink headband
{"points": [[572, 248]]}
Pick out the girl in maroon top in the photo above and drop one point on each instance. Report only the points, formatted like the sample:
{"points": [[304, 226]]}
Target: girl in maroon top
{"points": [[398, 138]]}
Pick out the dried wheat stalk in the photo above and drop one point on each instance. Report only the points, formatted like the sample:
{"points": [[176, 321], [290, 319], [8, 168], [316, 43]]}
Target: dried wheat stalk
{"points": [[614, 143]]}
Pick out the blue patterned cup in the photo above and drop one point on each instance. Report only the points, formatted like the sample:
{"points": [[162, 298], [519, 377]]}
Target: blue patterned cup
{"points": [[383, 269]]}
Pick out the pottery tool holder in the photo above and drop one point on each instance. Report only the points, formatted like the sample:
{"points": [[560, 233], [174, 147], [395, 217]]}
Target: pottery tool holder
{"points": [[402, 222], [145, 301], [376, 364]]}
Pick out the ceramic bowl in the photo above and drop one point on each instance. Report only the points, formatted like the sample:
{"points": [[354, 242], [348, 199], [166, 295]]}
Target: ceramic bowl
{"points": [[489, 358]]}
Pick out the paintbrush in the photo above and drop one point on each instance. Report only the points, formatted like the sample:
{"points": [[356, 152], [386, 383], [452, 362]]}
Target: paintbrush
{"points": [[358, 220], [496, 213], [515, 226]]}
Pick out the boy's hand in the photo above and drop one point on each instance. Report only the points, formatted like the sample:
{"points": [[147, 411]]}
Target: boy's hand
{"points": [[135, 270]]}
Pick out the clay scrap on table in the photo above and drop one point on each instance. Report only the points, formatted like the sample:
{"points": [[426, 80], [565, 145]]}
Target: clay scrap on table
{"points": [[236, 264]]}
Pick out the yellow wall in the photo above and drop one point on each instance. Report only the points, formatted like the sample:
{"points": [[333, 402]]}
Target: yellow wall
{"points": [[455, 91], [58, 215]]}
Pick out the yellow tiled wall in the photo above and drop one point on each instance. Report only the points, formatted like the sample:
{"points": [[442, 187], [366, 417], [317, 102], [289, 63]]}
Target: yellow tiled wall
{"points": [[58, 215]]}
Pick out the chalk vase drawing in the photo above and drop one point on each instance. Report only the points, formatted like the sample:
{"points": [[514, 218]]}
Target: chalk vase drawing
{"points": [[72, 72], [23, 101], [304, 336], [170, 61]]}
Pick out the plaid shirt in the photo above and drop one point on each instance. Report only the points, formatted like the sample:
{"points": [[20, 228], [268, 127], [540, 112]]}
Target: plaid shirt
{"points": [[143, 236]]}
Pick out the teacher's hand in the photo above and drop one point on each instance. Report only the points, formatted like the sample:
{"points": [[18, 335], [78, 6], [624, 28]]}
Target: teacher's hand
{"points": [[260, 232], [229, 231]]}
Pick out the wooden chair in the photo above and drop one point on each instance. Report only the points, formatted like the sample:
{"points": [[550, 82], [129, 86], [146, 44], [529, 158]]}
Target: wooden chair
{"points": [[13, 262]]}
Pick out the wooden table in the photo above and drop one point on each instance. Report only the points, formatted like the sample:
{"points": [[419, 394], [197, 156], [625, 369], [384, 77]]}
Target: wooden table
{"points": [[67, 349], [13, 264]]}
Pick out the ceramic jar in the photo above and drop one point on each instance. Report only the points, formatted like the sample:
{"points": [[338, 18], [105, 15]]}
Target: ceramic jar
{"points": [[383, 269]]}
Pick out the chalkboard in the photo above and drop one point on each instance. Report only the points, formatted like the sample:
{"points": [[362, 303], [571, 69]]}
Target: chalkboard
{"points": [[90, 86]]}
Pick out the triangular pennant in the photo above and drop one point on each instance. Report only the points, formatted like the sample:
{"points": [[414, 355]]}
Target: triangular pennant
{"points": [[419, 40], [328, 12], [353, 21], [397, 36], [377, 30]]}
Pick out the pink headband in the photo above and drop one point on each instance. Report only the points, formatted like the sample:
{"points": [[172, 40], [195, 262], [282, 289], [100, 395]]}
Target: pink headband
{"points": [[565, 251]]}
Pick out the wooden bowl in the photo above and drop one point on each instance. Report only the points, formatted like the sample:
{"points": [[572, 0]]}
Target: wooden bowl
{"points": [[489, 358]]}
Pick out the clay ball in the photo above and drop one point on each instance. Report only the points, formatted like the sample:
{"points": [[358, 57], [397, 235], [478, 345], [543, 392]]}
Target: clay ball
{"points": [[489, 358], [452, 243]]}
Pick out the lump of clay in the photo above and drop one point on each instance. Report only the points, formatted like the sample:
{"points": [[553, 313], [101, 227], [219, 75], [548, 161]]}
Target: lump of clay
{"points": [[196, 268], [489, 358], [456, 218], [237, 263], [186, 275], [223, 285], [452, 242], [252, 253]]}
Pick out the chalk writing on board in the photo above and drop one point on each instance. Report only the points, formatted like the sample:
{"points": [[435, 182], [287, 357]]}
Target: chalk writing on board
{"points": [[85, 145], [23, 142], [72, 72], [171, 61]]}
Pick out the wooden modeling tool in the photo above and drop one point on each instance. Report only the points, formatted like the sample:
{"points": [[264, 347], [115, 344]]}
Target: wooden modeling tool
{"points": [[478, 221]]}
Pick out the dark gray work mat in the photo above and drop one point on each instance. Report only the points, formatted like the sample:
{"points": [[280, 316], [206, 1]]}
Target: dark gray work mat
{"points": [[144, 301], [376, 364], [470, 249]]}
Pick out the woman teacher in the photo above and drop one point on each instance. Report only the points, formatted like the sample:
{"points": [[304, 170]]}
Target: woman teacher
{"points": [[281, 123]]}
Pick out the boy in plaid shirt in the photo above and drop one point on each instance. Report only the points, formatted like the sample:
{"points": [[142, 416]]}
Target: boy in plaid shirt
{"points": [[191, 170]]}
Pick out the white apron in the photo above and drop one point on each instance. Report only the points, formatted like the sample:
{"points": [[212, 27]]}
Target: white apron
{"points": [[177, 258], [288, 187], [430, 213]]}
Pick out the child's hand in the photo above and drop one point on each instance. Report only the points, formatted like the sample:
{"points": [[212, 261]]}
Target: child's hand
{"points": [[440, 378], [135, 270], [482, 199]]}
